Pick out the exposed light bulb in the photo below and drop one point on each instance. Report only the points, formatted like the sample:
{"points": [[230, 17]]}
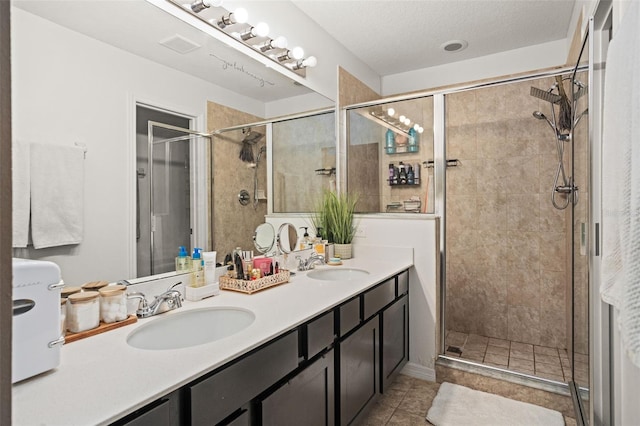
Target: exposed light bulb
{"points": [[416, 127], [279, 42], [240, 15], [390, 112], [407, 121], [297, 53], [401, 118], [310, 62], [261, 29], [421, 129]]}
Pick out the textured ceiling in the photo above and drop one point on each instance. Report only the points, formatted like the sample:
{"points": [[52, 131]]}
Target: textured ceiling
{"points": [[404, 35]]}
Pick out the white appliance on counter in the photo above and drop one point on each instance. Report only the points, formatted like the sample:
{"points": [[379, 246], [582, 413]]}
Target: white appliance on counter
{"points": [[37, 337]]}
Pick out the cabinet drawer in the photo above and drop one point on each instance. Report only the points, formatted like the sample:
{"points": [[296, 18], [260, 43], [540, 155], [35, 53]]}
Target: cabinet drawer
{"points": [[403, 283], [349, 316], [320, 334], [216, 397], [379, 297]]}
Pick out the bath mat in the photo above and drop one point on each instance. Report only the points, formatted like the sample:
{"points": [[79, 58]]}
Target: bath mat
{"points": [[456, 405]]}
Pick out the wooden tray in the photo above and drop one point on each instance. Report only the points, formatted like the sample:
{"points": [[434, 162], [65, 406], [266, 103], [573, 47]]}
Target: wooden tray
{"points": [[103, 327], [253, 286]]}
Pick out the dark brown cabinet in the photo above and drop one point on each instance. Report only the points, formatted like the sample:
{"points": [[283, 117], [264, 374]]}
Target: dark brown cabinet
{"points": [[395, 340]]}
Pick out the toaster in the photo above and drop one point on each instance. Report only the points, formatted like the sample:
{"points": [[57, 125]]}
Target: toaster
{"points": [[37, 336]]}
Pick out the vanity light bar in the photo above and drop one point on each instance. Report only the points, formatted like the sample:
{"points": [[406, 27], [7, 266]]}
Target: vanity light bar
{"points": [[292, 59]]}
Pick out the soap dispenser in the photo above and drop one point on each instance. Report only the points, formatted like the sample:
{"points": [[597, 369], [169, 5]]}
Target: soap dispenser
{"points": [[197, 273], [305, 241], [183, 261], [413, 140]]}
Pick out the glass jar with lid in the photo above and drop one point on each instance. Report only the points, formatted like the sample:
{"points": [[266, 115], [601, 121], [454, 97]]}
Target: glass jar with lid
{"points": [[68, 291], [113, 303], [83, 311]]}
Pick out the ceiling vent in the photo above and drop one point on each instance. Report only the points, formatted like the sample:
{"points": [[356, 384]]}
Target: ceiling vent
{"points": [[179, 44]]}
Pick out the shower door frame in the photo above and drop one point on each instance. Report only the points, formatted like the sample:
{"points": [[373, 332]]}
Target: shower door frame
{"points": [[196, 193]]}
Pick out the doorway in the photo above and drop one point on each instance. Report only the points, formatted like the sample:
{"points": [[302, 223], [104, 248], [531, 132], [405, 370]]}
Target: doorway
{"points": [[165, 192]]}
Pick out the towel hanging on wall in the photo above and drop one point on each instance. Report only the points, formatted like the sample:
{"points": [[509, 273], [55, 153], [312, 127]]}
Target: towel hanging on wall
{"points": [[620, 277], [57, 195]]}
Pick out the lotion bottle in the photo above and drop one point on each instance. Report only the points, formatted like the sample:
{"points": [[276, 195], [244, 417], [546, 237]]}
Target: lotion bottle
{"points": [[209, 260]]}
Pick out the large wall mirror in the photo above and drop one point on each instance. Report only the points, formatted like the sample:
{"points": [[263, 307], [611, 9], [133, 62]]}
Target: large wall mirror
{"points": [[81, 69]]}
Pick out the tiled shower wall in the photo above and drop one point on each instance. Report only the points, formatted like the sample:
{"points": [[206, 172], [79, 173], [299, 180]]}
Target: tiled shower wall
{"points": [[506, 244]]}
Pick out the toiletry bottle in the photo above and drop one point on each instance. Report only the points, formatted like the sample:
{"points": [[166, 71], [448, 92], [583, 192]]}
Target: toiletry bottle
{"points": [[410, 176], [209, 261], [396, 176], [416, 174], [304, 242], [390, 142], [392, 170], [402, 178], [197, 274], [183, 261], [413, 140]]}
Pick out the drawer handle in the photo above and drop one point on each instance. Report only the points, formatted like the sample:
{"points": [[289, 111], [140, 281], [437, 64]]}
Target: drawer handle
{"points": [[58, 341], [22, 306]]}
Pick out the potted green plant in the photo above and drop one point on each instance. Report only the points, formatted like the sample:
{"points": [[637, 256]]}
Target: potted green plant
{"points": [[334, 214]]}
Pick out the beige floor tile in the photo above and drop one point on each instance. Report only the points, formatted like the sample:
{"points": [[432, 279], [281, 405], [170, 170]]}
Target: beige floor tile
{"points": [[476, 347], [502, 360], [456, 354], [379, 415], [544, 350], [476, 338], [403, 382], [501, 343], [546, 359], [456, 338], [473, 355], [551, 377], [521, 364], [520, 354], [498, 350], [556, 370], [522, 347], [402, 418], [393, 397]]}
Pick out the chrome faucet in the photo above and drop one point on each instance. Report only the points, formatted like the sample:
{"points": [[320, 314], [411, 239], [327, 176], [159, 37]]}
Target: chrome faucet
{"points": [[309, 263], [167, 301]]}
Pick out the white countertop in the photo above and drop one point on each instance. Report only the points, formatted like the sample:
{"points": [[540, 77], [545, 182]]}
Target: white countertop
{"points": [[101, 378]]}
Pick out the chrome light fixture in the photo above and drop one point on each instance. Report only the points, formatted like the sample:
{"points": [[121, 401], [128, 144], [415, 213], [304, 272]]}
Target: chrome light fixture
{"points": [[238, 16], [234, 24]]}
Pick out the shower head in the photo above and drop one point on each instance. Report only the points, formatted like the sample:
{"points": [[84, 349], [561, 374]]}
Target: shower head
{"points": [[263, 150], [539, 115]]}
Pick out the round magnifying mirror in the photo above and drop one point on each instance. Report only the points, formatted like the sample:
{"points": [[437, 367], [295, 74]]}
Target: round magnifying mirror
{"points": [[287, 238], [264, 237]]}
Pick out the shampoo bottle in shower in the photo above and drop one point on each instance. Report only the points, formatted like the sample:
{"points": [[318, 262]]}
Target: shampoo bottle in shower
{"points": [[390, 142], [183, 261]]}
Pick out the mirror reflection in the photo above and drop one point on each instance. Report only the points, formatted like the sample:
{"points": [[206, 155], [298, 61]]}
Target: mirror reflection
{"points": [[390, 156], [99, 81], [287, 238]]}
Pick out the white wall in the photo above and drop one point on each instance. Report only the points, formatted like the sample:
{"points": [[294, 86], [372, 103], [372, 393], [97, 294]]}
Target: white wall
{"points": [[70, 88], [419, 232]]}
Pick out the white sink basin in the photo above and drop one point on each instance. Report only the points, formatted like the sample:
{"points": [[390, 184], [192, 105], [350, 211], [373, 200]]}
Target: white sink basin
{"points": [[190, 328], [337, 274]]}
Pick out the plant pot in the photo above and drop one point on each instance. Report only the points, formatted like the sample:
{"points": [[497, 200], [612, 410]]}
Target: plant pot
{"points": [[343, 251]]}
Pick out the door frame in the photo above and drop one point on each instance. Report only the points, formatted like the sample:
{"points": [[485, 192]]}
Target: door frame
{"points": [[198, 178]]}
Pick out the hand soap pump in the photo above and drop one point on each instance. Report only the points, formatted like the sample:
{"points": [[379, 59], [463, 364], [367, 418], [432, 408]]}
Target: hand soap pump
{"points": [[197, 273], [183, 261], [305, 241]]}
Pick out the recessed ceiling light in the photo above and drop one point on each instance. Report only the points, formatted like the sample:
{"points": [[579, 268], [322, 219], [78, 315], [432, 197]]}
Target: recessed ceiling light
{"points": [[454, 46]]}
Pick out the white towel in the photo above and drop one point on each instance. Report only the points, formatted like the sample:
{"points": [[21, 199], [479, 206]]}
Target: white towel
{"points": [[57, 195], [621, 181], [20, 193]]}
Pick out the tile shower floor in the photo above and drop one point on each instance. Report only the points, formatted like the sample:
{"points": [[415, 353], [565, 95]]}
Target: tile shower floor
{"points": [[541, 361]]}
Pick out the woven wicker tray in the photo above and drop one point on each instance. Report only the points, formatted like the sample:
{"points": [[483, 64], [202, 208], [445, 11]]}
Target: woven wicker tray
{"points": [[249, 287]]}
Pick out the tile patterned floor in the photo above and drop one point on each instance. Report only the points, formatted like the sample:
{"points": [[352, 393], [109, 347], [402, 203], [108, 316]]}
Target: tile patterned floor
{"points": [[540, 361], [407, 402]]}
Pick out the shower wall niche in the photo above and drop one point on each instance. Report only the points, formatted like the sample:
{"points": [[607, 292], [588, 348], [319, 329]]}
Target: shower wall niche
{"points": [[508, 249]]}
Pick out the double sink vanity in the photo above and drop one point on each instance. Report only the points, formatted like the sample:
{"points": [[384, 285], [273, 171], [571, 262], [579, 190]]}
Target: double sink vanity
{"points": [[316, 350]]}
